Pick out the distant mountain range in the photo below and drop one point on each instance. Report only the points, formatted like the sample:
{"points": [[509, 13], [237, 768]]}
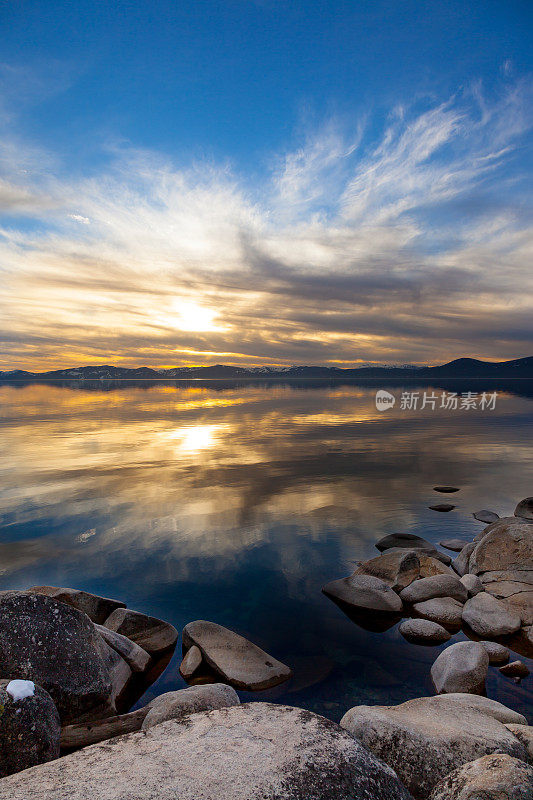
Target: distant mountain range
{"points": [[461, 368]]}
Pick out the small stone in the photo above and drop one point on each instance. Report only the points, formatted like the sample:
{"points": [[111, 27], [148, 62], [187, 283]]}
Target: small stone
{"points": [[191, 661], [175, 705], [524, 509], [486, 516], [442, 507], [516, 669], [491, 777], [437, 586], [136, 658], [423, 631], [444, 610], [489, 617], [498, 654], [152, 634], [445, 489], [472, 584], [462, 667], [453, 544]]}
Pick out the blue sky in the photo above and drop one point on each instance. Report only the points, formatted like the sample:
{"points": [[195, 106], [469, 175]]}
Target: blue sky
{"points": [[345, 164]]}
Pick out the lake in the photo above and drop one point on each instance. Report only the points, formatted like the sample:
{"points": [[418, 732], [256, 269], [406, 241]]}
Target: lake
{"points": [[236, 502]]}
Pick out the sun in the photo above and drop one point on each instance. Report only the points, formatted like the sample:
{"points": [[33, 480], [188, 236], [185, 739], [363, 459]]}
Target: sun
{"points": [[194, 317]]}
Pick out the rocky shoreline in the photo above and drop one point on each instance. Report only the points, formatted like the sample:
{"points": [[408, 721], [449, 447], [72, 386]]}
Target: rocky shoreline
{"points": [[73, 664]]}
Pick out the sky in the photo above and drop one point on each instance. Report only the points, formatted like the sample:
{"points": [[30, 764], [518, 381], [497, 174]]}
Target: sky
{"points": [[265, 182]]}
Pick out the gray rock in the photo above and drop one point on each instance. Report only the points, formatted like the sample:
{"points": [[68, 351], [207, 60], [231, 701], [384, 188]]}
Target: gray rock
{"points": [[425, 739], [30, 728], [442, 507], [120, 675], [178, 704], [97, 608], [445, 489], [241, 663], [486, 516], [491, 708], [423, 631], [436, 586], [397, 569], [444, 610], [460, 564], [409, 541], [453, 544], [516, 669], [472, 584], [504, 545], [462, 668], [152, 634], [137, 659], [525, 508], [498, 654], [248, 752], [364, 592], [190, 662], [492, 777], [524, 733], [58, 647], [489, 617]]}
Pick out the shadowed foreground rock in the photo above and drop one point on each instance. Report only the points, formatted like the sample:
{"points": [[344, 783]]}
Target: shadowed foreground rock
{"points": [[249, 752], [29, 729]]}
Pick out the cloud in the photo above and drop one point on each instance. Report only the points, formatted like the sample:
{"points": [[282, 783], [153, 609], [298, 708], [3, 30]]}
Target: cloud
{"points": [[409, 241]]}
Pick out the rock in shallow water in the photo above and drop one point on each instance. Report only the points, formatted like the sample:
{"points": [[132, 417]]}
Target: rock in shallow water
{"points": [[444, 610], [248, 752], [241, 663], [409, 541], [489, 617], [486, 516], [492, 777], [152, 634], [498, 654], [425, 739], [461, 668], [135, 657], [397, 569], [436, 586], [423, 631], [364, 592], [445, 489], [453, 544], [442, 507], [190, 662], [516, 669]]}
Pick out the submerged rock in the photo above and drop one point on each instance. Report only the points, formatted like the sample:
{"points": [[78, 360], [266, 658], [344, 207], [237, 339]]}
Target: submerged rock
{"points": [[442, 507], [489, 617], [436, 586], [491, 777], [29, 726], [461, 668], [247, 752], [241, 663], [152, 634], [445, 489], [486, 516], [453, 544], [423, 631]]}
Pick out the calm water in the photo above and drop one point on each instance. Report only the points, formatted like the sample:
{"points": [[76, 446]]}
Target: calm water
{"points": [[236, 503]]}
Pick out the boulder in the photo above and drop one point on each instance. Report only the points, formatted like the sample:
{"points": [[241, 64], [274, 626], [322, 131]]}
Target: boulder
{"points": [[461, 668], [498, 654], [425, 739], [453, 544], [460, 564], [247, 752], [397, 569], [120, 675], [409, 541], [238, 661], [364, 592], [97, 608], [30, 726], [443, 610], [516, 669], [491, 777], [524, 509], [436, 586], [504, 545], [445, 489], [175, 705], [486, 516], [489, 617], [137, 659], [190, 662], [442, 507], [524, 733], [472, 584], [152, 634], [57, 647], [429, 564], [423, 631]]}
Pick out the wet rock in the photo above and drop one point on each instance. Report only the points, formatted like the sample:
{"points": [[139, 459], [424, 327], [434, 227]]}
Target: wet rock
{"points": [[442, 507], [190, 662], [246, 752], [472, 584], [425, 739], [152, 634], [489, 617], [491, 777], [175, 705], [135, 657], [364, 592], [409, 541], [461, 668], [524, 509], [445, 489], [444, 610], [241, 663], [397, 569], [57, 647], [460, 564], [30, 726], [486, 516], [436, 586], [498, 654], [516, 669], [97, 608], [453, 544], [524, 733], [423, 631]]}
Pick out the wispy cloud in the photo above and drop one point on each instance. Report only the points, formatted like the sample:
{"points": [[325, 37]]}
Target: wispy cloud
{"points": [[405, 241]]}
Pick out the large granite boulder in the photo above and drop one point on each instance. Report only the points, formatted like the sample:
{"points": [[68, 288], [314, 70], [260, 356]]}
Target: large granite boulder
{"points": [[238, 661], [248, 752], [504, 545], [425, 739], [493, 777], [423, 631], [174, 705], [29, 726], [489, 617], [462, 667], [58, 647], [152, 634], [397, 569], [97, 608], [364, 593], [436, 586]]}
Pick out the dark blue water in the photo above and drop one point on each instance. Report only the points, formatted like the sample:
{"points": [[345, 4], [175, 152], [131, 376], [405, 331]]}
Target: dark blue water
{"points": [[236, 503]]}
